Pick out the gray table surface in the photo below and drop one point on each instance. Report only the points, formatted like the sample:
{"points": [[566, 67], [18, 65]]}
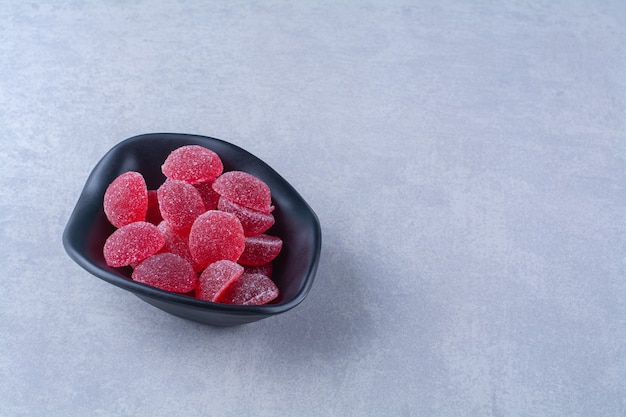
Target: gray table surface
{"points": [[467, 161]]}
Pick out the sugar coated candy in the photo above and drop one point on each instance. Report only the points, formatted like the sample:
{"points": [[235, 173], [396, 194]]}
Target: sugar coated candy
{"points": [[215, 276], [192, 164], [244, 189], [178, 244], [208, 194], [216, 235], [248, 289], [260, 249], [180, 204], [132, 243], [253, 222], [202, 233], [126, 199], [166, 271], [265, 269]]}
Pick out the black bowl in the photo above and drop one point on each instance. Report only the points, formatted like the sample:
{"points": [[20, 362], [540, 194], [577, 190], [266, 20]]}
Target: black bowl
{"points": [[296, 223]]}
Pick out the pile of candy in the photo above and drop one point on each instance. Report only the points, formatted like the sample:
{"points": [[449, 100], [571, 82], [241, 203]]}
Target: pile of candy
{"points": [[201, 233]]}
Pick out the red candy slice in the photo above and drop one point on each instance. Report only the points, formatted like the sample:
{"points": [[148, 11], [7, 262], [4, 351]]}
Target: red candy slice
{"points": [[153, 214], [166, 271], [260, 250], [248, 289], [244, 189], [180, 204], [177, 244], [253, 222], [208, 194], [216, 235], [215, 276], [265, 269], [126, 199], [192, 164], [132, 243]]}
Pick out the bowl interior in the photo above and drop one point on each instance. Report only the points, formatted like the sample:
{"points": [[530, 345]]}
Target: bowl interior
{"points": [[295, 223]]}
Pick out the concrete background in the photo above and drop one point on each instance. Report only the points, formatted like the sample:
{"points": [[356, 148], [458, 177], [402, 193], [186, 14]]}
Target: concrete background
{"points": [[466, 161]]}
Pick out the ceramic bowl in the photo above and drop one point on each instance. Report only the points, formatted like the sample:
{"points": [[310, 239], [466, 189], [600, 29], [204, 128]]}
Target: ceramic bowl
{"points": [[295, 222]]}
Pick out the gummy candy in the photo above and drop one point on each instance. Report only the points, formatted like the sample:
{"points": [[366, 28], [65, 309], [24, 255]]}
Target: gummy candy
{"points": [[166, 271], [192, 164], [216, 235], [209, 196], [260, 249], [248, 289], [177, 244], [244, 189], [265, 269], [253, 222], [126, 199], [199, 221], [132, 243], [180, 204], [215, 276], [153, 215]]}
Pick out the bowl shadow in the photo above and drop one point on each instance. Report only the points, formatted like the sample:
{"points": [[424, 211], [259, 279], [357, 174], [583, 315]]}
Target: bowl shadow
{"points": [[337, 318]]}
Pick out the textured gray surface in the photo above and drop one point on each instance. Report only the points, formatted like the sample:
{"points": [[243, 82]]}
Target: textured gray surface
{"points": [[466, 160]]}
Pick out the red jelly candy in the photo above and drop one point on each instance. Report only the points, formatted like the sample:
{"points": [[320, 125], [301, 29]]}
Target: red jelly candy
{"points": [[260, 250], [180, 204], [208, 194], [265, 269], [253, 222], [126, 199], [154, 212], [248, 289], [132, 243], [192, 164], [215, 276], [216, 235], [166, 271], [177, 244], [244, 189]]}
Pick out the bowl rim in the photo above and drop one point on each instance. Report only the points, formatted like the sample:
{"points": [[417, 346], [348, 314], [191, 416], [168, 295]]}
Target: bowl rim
{"points": [[70, 234]]}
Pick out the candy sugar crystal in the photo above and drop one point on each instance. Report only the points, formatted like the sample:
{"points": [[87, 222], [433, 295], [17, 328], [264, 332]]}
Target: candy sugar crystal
{"points": [[126, 199], [180, 204], [253, 222], [244, 189], [248, 289], [166, 271], [265, 269], [132, 243], [215, 276], [260, 249], [216, 235], [192, 164]]}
